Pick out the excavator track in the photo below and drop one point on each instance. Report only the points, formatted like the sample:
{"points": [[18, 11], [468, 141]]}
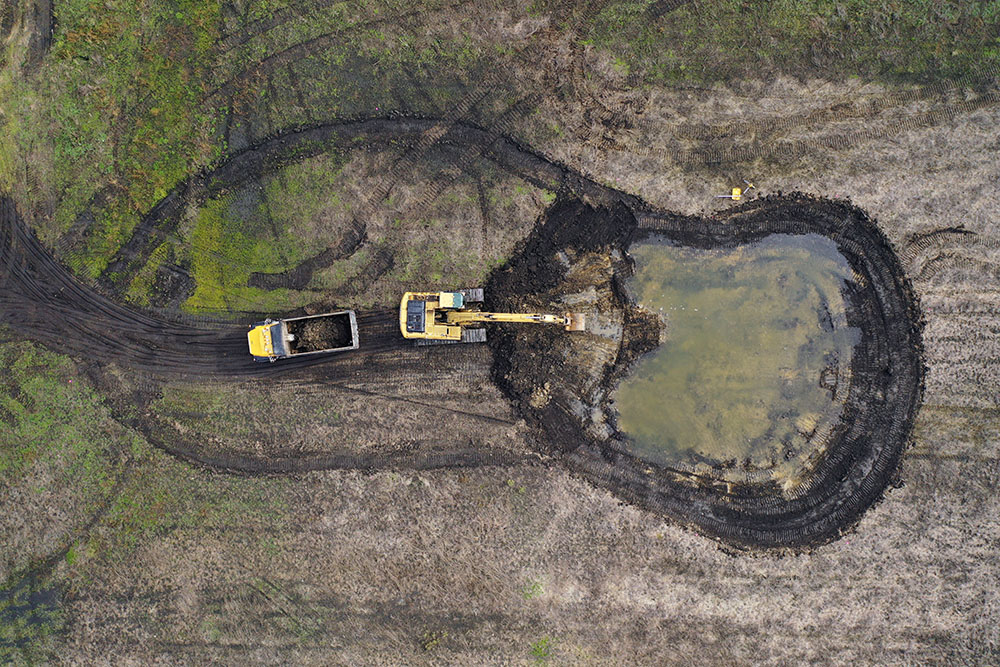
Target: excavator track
{"points": [[468, 336], [473, 295]]}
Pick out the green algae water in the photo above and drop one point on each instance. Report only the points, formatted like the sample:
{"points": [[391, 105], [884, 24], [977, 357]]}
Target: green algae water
{"points": [[754, 362]]}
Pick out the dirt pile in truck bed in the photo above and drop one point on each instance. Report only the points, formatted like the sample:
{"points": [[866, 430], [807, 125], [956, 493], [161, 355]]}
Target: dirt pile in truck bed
{"points": [[322, 333]]}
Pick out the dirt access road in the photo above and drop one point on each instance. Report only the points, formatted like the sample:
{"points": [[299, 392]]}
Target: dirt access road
{"points": [[47, 285]]}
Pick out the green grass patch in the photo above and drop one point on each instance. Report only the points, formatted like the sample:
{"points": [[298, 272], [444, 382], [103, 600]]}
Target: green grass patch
{"points": [[223, 255], [922, 40], [54, 420], [120, 99], [297, 215], [439, 260], [541, 650], [10, 113], [31, 619], [141, 289], [340, 274], [532, 589], [297, 197], [163, 496]]}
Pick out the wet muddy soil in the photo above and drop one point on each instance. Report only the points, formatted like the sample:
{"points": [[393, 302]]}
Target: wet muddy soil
{"points": [[566, 383]]}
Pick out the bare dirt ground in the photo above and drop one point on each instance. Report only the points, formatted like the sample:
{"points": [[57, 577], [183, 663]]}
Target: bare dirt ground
{"points": [[512, 558]]}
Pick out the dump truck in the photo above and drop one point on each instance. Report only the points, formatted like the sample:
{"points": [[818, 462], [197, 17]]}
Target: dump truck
{"points": [[431, 318], [275, 339]]}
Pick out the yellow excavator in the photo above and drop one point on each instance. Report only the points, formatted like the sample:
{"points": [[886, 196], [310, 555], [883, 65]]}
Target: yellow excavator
{"points": [[449, 317]]}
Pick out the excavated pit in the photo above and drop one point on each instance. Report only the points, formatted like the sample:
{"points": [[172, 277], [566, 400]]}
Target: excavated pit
{"points": [[578, 259]]}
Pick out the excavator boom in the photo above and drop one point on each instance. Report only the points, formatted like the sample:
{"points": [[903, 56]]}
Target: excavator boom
{"points": [[470, 316]]}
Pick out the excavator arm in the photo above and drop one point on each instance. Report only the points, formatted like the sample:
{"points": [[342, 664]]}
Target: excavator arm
{"points": [[572, 322]]}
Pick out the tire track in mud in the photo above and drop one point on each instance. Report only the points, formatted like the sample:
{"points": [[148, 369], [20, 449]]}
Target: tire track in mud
{"points": [[300, 50], [742, 141], [719, 152], [281, 150], [44, 302], [501, 124], [460, 155], [122, 402]]}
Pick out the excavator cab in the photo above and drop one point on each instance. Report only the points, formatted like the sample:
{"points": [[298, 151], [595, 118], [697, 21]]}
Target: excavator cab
{"points": [[417, 310], [416, 317], [423, 315]]}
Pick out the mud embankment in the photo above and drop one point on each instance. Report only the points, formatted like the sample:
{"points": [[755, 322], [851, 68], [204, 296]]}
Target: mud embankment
{"points": [[564, 386]]}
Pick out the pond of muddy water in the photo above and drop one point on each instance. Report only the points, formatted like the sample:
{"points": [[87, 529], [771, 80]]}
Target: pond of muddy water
{"points": [[753, 367]]}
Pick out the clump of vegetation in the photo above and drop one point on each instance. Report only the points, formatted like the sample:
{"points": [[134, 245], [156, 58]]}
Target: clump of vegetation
{"points": [[224, 255], [532, 590], [161, 495], [541, 650], [119, 100], [30, 620], [432, 639], [57, 433]]}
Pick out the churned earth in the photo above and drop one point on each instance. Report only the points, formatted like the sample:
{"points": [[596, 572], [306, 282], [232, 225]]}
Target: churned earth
{"points": [[168, 500]]}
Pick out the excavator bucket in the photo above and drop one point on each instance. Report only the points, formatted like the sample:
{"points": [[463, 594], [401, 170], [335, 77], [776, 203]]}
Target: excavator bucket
{"points": [[576, 321]]}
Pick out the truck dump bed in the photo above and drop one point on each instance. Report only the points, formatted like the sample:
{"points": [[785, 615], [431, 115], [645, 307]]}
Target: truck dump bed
{"points": [[329, 332]]}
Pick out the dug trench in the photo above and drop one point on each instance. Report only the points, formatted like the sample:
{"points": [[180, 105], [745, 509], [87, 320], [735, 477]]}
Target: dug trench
{"points": [[576, 258]]}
